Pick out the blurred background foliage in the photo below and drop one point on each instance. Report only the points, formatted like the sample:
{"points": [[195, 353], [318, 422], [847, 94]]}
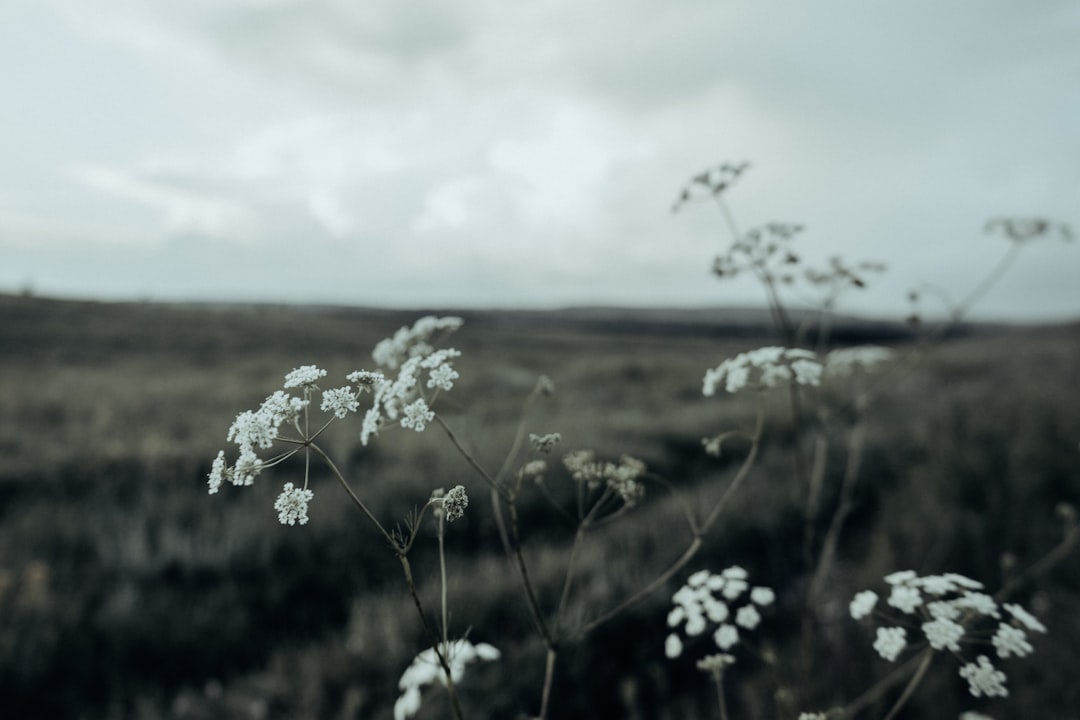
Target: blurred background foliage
{"points": [[127, 592]]}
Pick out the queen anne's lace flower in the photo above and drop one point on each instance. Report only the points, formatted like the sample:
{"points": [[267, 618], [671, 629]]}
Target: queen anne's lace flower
{"points": [[1009, 640], [426, 669], [984, 679], [943, 633], [726, 636], [217, 472], [890, 641], [707, 599], [304, 376], [417, 415], [905, 598], [442, 377], [748, 617], [292, 505], [762, 596], [863, 604], [340, 401], [765, 367], [955, 613], [1024, 617]]}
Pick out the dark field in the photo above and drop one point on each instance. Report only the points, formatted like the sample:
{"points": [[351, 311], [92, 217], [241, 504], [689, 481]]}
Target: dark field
{"points": [[126, 591]]}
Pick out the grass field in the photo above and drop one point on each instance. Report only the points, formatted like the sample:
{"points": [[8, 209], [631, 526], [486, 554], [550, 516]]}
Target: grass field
{"points": [[127, 592]]}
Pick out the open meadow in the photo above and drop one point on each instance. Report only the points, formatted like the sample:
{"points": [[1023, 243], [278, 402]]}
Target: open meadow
{"points": [[127, 591]]}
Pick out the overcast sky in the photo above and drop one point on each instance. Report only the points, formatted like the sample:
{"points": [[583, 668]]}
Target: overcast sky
{"points": [[527, 154]]}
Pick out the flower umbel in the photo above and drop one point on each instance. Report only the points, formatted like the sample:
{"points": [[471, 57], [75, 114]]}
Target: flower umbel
{"points": [[764, 368], [292, 505], [708, 598], [954, 613], [426, 669]]}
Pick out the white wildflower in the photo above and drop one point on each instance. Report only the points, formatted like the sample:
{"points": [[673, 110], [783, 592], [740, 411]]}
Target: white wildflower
{"points": [[863, 604], [1024, 617], [762, 596], [905, 598], [303, 376], [1009, 640], [943, 609], [282, 407], [900, 577], [372, 420], [747, 617], [673, 646], [253, 428], [764, 367], [937, 584], [812, 716], [984, 679], [943, 633], [340, 401], [695, 622], [698, 579], [716, 610], [964, 582], [978, 602], [726, 636], [248, 465], [292, 505], [442, 377], [426, 669], [417, 415], [365, 379], [217, 472], [410, 342], [890, 641]]}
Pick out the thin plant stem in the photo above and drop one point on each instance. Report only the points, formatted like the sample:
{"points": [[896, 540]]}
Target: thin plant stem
{"points": [[441, 646], [549, 676], [920, 673], [718, 680], [856, 444], [359, 503], [698, 533]]}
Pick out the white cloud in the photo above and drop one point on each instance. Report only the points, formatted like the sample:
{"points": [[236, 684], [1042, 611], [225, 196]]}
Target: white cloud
{"points": [[533, 150]]}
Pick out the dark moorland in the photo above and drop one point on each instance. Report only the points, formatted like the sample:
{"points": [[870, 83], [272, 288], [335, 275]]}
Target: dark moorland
{"points": [[126, 591]]}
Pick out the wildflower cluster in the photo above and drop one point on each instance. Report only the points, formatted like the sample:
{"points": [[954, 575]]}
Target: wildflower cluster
{"points": [[259, 429], [708, 599], [764, 368], [453, 503], [410, 352], [622, 478], [710, 183], [426, 669], [948, 610]]}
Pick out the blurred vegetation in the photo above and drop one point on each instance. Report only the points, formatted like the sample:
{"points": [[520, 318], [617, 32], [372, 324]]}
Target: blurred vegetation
{"points": [[127, 592]]}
